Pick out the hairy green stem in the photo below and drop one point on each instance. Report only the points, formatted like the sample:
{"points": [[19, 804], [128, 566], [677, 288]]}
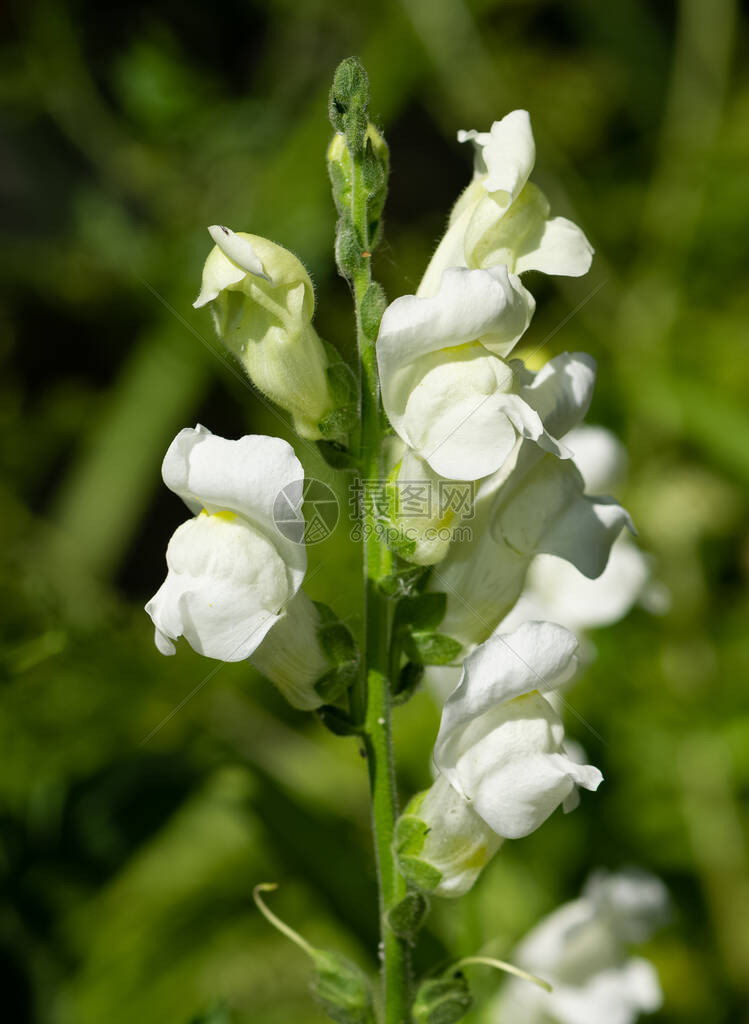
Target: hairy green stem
{"points": [[374, 697]]}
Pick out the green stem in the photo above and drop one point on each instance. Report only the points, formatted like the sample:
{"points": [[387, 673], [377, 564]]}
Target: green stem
{"points": [[374, 696]]}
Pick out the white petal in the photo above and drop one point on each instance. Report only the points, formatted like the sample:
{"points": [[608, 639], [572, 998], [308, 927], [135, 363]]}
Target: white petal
{"points": [[562, 594], [291, 656], [632, 902], [248, 476], [562, 249], [549, 513], [225, 588], [459, 842], [449, 253], [616, 995], [509, 154], [521, 792], [600, 456], [561, 391], [219, 272], [584, 533], [238, 249], [534, 657], [470, 306]]}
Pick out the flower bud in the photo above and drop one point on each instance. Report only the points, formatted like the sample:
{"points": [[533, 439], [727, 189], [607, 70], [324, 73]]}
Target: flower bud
{"points": [[262, 303], [340, 986], [375, 166]]}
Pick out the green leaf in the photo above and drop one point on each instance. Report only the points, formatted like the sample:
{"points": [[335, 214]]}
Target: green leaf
{"points": [[431, 648], [442, 1001], [421, 612]]}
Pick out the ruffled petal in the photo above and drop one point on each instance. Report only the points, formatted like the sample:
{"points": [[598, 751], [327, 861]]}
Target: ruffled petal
{"points": [[560, 392], [257, 477], [600, 456], [536, 656], [561, 249], [239, 249], [225, 588], [509, 154], [518, 794]]}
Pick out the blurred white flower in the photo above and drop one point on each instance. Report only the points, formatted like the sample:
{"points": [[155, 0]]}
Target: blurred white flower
{"points": [[503, 219], [582, 950], [500, 751], [233, 578]]}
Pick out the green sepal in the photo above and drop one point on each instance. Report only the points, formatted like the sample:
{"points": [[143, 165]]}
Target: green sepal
{"points": [[348, 247], [372, 307], [418, 872], [403, 581], [336, 455], [342, 989], [442, 1001], [345, 394], [338, 722], [422, 611], [338, 681], [409, 679], [407, 917], [431, 648], [336, 639], [401, 546], [340, 183], [410, 835]]}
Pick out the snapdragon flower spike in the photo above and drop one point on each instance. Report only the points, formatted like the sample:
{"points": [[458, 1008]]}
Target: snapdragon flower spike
{"points": [[446, 386], [262, 302], [500, 756], [558, 592], [502, 218], [233, 581], [582, 949]]}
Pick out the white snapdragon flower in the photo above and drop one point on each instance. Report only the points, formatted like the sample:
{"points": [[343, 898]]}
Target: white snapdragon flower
{"points": [[500, 756], [541, 508], [558, 592], [582, 950], [234, 579], [447, 388], [502, 218], [262, 302]]}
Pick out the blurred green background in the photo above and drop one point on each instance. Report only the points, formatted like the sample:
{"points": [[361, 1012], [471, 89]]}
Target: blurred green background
{"points": [[141, 798]]}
